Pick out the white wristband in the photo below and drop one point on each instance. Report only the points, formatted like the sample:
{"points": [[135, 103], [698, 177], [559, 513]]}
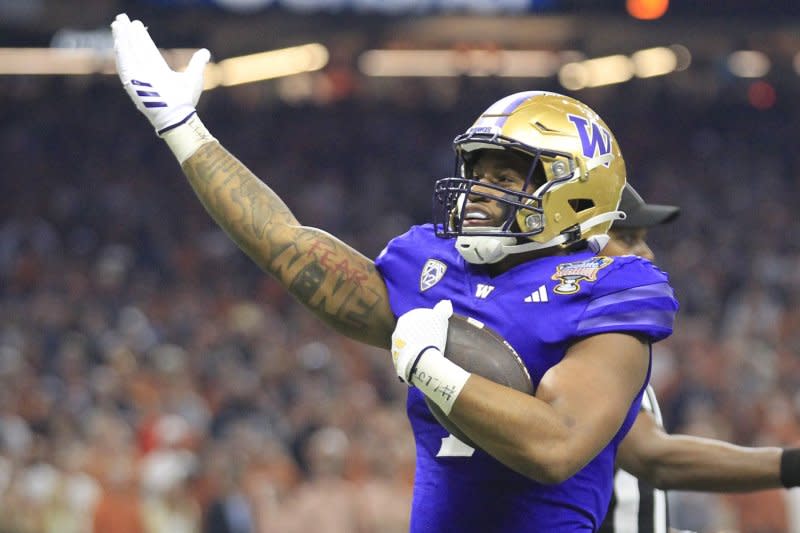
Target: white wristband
{"points": [[439, 378], [186, 139]]}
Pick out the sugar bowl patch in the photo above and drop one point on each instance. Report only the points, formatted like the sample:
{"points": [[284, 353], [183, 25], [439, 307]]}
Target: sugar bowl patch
{"points": [[570, 275]]}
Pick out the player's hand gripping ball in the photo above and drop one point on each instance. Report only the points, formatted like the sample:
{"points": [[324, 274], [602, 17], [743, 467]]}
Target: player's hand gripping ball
{"points": [[480, 350]]}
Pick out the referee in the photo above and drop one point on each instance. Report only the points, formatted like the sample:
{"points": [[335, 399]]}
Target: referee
{"points": [[649, 459]]}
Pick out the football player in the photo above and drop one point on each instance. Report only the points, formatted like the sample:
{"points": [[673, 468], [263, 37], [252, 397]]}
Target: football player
{"points": [[515, 245], [652, 460]]}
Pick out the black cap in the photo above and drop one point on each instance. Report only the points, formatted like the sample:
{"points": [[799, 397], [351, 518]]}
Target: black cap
{"points": [[641, 214]]}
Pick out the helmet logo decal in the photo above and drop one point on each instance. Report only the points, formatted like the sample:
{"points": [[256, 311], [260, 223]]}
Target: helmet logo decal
{"points": [[491, 130], [432, 273], [570, 275], [595, 139]]}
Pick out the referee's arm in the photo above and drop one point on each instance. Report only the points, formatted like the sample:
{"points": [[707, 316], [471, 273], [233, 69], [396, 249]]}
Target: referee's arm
{"points": [[683, 462]]}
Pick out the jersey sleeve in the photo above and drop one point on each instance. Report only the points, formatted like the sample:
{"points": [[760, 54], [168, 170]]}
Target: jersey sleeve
{"points": [[396, 265], [633, 297]]}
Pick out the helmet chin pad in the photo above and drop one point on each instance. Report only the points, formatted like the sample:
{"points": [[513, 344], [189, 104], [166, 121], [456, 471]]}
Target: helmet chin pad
{"points": [[489, 249], [481, 250]]}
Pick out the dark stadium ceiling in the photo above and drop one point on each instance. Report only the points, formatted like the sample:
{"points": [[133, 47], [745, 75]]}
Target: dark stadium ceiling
{"points": [[711, 29], [598, 28]]}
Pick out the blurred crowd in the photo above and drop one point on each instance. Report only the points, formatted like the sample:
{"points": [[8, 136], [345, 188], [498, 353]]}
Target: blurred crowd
{"points": [[152, 380]]}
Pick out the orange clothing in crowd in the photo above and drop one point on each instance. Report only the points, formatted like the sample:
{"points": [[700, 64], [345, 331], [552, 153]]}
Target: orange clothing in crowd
{"points": [[761, 512], [118, 511]]}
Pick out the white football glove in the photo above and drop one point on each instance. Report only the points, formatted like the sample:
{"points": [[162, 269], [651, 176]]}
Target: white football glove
{"points": [[167, 98], [416, 332]]}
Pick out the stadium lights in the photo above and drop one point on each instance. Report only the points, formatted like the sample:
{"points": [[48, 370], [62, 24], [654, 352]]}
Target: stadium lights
{"points": [[451, 63], [424, 63], [647, 9], [228, 72], [749, 64], [574, 72], [58, 61], [596, 72], [647, 63], [267, 65], [683, 57], [654, 62]]}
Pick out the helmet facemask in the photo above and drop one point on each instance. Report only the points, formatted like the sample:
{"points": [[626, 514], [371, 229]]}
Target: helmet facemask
{"points": [[524, 213]]}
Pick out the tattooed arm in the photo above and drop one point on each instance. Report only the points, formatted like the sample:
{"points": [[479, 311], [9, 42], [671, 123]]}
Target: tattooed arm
{"points": [[339, 284], [336, 282]]}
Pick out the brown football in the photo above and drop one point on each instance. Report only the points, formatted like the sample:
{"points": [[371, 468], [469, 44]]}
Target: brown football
{"points": [[480, 350]]}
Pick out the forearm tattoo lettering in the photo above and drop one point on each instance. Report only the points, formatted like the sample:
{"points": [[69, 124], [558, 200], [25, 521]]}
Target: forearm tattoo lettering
{"points": [[336, 282]]}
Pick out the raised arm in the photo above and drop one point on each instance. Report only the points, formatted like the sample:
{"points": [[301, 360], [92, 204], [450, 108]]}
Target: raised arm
{"points": [[332, 279], [683, 462], [339, 284]]}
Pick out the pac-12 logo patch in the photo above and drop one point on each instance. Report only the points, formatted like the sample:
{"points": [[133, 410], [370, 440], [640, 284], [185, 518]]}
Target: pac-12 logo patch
{"points": [[570, 275], [432, 273]]}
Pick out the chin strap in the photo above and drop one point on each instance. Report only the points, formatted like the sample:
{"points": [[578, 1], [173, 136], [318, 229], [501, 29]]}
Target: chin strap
{"points": [[598, 242], [487, 250]]}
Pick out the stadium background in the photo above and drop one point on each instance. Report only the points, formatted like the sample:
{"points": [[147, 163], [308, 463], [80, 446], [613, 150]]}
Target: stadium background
{"points": [[148, 370]]}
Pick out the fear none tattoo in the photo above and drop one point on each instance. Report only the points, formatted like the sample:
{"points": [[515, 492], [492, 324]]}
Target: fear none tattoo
{"points": [[330, 279]]}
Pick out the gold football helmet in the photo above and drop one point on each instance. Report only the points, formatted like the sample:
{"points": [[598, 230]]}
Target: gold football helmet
{"points": [[571, 192]]}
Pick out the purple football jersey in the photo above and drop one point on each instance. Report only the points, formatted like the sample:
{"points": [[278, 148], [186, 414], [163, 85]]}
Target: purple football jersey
{"points": [[540, 307]]}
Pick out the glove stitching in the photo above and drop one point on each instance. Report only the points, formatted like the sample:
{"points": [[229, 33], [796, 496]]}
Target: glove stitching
{"points": [[173, 126]]}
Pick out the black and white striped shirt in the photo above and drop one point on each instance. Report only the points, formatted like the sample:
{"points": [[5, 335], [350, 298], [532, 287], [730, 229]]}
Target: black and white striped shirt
{"points": [[636, 506]]}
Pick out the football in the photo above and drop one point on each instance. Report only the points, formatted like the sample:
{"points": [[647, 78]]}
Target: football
{"points": [[480, 350]]}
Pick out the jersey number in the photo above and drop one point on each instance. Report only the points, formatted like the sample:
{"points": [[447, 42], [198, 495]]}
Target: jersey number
{"points": [[452, 447]]}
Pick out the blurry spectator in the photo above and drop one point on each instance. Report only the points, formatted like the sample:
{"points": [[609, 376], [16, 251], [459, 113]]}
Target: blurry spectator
{"points": [[76, 495], [119, 509], [327, 497], [230, 511]]}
